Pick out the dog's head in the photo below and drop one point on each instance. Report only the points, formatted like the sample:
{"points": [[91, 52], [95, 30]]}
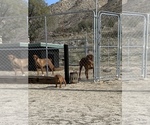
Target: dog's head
{"points": [[11, 57], [35, 57], [89, 57]]}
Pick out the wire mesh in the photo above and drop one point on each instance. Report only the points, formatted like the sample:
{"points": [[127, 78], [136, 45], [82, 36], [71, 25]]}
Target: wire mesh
{"points": [[59, 29], [13, 46], [109, 41], [78, 34], [76, 30], [54, 55], [14, 29], [133, 45], [126, 57], [37, 29], [8, 66]]}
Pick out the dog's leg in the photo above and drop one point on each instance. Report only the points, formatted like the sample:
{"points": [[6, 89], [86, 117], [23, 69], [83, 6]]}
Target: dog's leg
{"points": [[65, 82], [60, 84], [56, 84], [42, 71], [37, 69], [51, 66], [80, 71], [21, 68], [86, 73], [56, 81], [93, 71], [52, 71], [15, 71]]}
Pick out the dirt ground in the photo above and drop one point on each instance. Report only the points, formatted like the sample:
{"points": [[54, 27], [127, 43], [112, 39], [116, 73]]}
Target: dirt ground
{"points": [[85, 103]]}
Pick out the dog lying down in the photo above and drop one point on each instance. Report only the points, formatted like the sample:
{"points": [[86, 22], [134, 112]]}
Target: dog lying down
{"points": [[60, 80], [18, 63]]}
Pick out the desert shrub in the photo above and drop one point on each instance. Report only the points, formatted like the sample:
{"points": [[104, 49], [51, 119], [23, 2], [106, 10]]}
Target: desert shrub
{"points": [[85, 25], [111, 23]]}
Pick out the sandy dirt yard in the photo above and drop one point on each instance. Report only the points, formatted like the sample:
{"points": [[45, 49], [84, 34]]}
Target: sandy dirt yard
{"points": [[85, 103]]}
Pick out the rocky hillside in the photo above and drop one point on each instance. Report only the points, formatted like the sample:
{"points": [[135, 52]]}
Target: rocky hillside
{"points": [[107, 5], [75, 5], [77, 24]]}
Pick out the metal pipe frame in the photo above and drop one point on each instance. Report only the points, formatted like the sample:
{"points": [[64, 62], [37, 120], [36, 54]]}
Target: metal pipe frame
{"points": [[143, 74], [98, 64]]}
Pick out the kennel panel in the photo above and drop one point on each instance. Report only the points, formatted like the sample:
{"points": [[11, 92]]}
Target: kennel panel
{"points": [[133, 45], [108, 49], [6, 67], [76, 30], [54, 54]]}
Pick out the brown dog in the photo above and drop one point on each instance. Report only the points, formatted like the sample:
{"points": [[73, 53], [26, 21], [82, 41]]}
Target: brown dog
{"points": [[41, 63], [18, 63], [88, 63], [60, 80]]}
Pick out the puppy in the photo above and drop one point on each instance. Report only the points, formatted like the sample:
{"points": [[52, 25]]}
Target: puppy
{"points": [[87, 63], [18, 63], [59, 80], [41, 63]]}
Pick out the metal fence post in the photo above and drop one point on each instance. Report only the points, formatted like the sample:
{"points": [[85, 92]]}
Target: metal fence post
{"points": [[46, 45], [86, 45], [146, 45], [119, 45], [96, 42], [66, 62], [94, 46]]}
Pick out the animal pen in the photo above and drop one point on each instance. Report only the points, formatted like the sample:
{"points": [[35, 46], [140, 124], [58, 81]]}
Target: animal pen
{"points": [[118, 41], [121, 46], [53, 34]]}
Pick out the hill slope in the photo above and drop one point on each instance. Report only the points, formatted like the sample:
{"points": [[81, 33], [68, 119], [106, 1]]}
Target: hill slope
{"points": [[72, 24]]}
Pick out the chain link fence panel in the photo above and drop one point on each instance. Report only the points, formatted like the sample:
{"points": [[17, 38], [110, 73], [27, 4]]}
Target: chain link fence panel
{"points": [[10, 61], [13, 46], [133, 45], [37, 29], [13, 29], [14, 62], [76, 29], [53, 54], [108, 58]]}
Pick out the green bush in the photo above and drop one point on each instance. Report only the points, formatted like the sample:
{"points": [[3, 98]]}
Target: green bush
{"points": [[111, 23], [85, 25]]}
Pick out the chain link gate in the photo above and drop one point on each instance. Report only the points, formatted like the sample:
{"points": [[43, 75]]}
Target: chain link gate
{"points": [[121, 47], [107, 61], [133, 45]]}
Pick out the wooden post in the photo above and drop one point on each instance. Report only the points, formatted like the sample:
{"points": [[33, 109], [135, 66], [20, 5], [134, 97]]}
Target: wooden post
{"points": [[66, 62]]}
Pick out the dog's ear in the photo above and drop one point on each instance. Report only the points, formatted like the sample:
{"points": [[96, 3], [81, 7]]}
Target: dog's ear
{"points": [[11, 57], [35, 56], [90, 57]]}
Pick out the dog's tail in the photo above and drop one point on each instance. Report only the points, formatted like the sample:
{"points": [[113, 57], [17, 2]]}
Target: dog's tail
{"points": [[52, 67]]}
